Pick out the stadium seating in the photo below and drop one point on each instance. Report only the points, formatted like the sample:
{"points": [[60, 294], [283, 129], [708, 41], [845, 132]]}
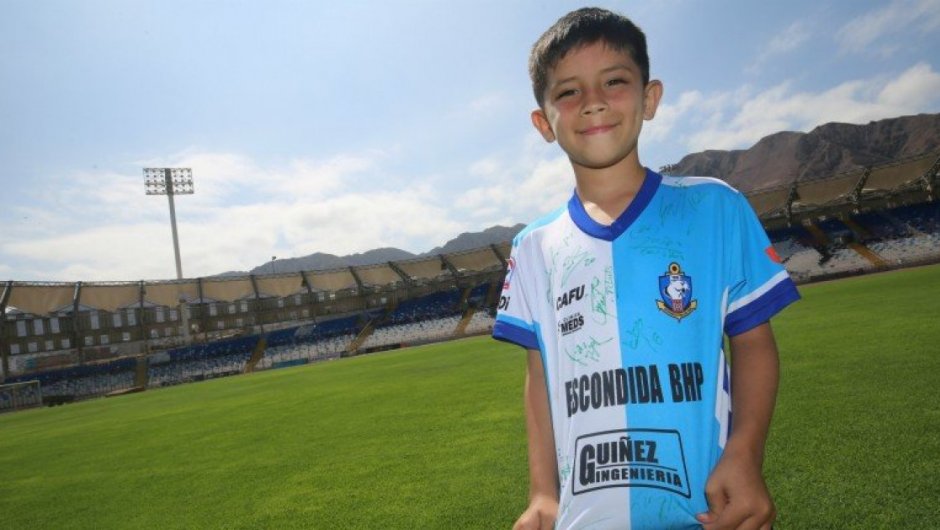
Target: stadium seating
{"points": [[303, 352], [84, 381], [480, 322], [202, 361], [413, 332], [894, 237]]}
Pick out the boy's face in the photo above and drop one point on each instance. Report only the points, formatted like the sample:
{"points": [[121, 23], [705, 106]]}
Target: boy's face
{"points": [[595, 104]]}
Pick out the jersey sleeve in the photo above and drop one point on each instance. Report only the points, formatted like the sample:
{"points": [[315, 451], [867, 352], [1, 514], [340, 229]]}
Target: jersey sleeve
{"points": [[759, 286], [514, 318]]}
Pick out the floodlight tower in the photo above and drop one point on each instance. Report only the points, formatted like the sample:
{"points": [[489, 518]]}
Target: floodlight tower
{"points": [[172, 181]]}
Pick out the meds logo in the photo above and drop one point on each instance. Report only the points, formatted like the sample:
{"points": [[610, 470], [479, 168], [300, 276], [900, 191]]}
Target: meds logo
{"points": [[630, 458], [571, 324], [675, 290]]}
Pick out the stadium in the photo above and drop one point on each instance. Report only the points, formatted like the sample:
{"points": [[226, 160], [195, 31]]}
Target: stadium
{"points": [[395, 420]]}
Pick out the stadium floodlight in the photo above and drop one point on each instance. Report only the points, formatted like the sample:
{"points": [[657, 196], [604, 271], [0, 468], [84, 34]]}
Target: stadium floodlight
{"points": [[172, 181]]}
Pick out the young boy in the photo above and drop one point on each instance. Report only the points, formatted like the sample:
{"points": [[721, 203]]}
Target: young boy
{"points": [[622, 297]]}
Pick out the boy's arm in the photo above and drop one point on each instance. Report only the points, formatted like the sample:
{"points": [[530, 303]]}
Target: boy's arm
{"points": [[543, 475], [737, 494]]}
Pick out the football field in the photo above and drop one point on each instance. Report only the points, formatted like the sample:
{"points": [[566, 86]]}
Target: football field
{"points": [[433, 436]]}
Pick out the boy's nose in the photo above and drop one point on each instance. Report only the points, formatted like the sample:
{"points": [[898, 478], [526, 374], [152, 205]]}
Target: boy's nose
{"points": [[593, 103]]}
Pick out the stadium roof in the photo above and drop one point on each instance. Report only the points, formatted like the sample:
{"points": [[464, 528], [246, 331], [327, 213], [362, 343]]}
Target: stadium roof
{"points": [[912, 178], [42, 298]]}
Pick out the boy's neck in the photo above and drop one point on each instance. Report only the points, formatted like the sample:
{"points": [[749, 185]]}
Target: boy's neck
{"points": [[607, 193]]}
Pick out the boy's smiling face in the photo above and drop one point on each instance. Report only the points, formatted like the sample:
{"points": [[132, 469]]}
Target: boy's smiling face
{"points": [[595, 104]]}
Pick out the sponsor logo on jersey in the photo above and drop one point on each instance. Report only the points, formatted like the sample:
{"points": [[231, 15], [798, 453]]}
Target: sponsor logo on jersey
{"points": [[630, 458], [635, 384], [675, 289], [503, 303], [641, 384], [570, 297], [510, 267], [571, 324]]}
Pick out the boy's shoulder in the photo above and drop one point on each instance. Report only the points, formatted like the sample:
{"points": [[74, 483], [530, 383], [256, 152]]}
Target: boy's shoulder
{"points": [[539, 224], [709, 193], [705, 184]]}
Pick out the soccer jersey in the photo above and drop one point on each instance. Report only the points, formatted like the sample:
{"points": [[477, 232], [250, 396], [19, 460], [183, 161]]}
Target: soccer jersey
{"points": [[629, 320]]}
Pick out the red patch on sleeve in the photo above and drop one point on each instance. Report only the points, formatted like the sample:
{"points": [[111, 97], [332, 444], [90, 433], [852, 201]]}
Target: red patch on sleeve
{"points": [[772, 253]]}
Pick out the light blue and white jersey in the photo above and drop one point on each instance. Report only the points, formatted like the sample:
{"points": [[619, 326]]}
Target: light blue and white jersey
{"points": [[629, 319]]}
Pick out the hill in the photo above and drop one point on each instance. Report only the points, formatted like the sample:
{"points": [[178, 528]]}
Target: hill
{"points": [[826, 150], [322, 261]]}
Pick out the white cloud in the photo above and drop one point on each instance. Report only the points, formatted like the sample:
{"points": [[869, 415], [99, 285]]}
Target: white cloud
{"points": [[487, 103], [668, 114], [917, 88], [100, 253], [788, 40], [738, 119], [221, 177], [905, 17], [519, 188], [243, 213]]}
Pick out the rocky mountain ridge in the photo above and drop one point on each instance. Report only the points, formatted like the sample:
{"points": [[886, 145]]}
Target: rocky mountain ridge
{"points": [[825, 151], [322, 261]]}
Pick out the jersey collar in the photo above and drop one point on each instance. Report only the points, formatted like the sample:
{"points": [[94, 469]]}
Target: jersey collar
{"points": [[609, 233]]}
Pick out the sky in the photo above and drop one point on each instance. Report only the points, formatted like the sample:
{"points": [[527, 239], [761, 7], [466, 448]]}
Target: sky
{"points": [[340, 127]]}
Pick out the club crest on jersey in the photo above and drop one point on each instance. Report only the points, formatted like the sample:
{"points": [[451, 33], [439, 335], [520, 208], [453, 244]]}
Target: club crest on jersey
{"points": [[675, 289]]}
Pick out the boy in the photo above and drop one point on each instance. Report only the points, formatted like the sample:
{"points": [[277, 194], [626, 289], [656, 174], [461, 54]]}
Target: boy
{"points": [[621, 299]]}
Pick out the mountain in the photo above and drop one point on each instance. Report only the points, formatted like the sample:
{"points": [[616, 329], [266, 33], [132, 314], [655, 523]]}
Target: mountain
{"points": [[473, 240], [826, 150], [321, 261]]}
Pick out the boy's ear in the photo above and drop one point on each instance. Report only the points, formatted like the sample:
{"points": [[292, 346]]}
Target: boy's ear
{"points": [[540, 121], [651, 96]]}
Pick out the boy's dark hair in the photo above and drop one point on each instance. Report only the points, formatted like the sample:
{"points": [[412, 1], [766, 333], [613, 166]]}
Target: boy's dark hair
{"points": [[578, 28]]}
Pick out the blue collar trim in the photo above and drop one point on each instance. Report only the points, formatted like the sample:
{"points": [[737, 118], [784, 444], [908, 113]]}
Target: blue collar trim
{"points": [[609, 233]]}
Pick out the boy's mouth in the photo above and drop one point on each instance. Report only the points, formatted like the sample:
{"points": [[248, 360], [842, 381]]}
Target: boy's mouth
{"points": [[597, 129]]}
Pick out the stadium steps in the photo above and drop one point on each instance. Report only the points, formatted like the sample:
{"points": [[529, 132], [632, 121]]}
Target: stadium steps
{"points": [[141, 372], [464, 297], [461, 328], [256, 355], [869, 254], [819, 237], [861, 233], [492, 297], [361, 337]]}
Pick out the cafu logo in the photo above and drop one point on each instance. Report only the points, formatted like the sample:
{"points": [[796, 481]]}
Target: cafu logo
{"points": [[571, 296]]}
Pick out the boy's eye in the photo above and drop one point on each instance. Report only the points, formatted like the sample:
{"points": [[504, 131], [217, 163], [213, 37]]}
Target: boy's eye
{"points": [[566, 93], [616, 81]]}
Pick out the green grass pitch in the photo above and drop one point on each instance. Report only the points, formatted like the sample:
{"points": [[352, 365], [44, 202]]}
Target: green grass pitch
{"points": [[433, 437]]}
